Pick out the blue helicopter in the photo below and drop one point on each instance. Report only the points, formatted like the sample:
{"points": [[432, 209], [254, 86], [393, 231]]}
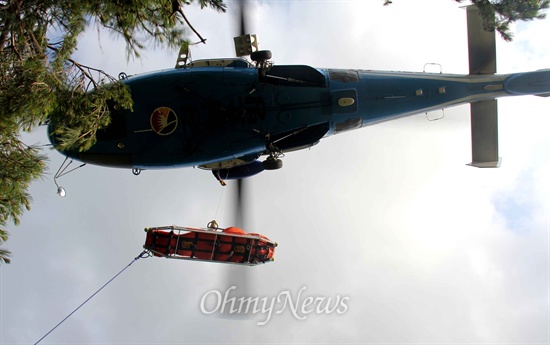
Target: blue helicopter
{"points": [[224, 115]]}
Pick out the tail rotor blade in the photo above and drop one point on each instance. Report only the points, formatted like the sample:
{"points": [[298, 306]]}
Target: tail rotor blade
{"points": [[481, 44], [484, 126], [484, 118]]}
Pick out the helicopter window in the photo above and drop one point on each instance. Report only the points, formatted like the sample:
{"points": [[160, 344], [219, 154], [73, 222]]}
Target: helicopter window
{"points": [[348, 125], [240, 63], [116, 129], [294, 75], [344, 76]]}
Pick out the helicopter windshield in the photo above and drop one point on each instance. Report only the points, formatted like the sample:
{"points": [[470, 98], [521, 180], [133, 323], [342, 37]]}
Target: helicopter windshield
{"points": [[344, 75], [116, 129], [294, 75]]}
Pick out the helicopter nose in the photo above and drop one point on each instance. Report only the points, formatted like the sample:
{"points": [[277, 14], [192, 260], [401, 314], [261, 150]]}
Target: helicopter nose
{"points": [[51, 135], [55, 142], [96, 155]]}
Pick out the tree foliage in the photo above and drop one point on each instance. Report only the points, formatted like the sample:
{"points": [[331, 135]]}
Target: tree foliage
{"points": [[499, 14], [21, 164], [40, 82]]}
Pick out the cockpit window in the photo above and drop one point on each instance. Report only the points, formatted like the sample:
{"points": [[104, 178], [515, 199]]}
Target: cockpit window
{"points": [[294, 75], [344, 76], [116, 129], [348, 124]]}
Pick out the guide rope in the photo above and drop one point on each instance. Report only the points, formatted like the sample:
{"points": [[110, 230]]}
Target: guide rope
{"points": [[143, 254]]}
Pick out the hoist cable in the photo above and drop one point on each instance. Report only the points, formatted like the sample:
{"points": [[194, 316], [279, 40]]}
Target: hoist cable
{"points": [[144, 254], [219, 202]]}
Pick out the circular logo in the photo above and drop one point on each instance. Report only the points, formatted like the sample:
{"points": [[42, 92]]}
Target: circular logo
{"points": [[164, 121], [186, 244], [239, 249]]}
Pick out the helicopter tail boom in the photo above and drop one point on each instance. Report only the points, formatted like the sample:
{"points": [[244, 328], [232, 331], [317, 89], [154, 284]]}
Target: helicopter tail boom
{"points": [[528, 83], [484, 114]]}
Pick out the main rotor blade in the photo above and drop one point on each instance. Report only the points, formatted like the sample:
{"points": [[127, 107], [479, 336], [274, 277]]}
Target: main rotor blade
{"points": [[238, 276], [242, 18], [239, 205]]}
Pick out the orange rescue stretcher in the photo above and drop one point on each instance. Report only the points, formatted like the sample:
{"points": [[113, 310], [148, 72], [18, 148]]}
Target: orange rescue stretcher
{"points": [[231, 245]]}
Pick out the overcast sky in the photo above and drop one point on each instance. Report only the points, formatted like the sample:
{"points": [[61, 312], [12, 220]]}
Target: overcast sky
{"points": [[427, 249]]}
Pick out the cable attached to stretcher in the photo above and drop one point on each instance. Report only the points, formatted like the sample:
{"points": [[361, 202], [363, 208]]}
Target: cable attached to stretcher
{"points": [[144, 254]]}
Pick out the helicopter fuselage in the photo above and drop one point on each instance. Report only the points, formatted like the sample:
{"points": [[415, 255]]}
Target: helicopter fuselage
{"points": [[206, 115]]}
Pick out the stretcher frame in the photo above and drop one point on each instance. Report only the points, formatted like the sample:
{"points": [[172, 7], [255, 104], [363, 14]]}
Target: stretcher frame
{"points": [[211, 231]]}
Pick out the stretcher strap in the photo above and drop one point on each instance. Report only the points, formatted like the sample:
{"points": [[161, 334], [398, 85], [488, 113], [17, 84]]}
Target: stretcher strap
{"points": [[261, 257], [170, 243], [247, 249], [158, 235], [232, 251], [194, 246]]}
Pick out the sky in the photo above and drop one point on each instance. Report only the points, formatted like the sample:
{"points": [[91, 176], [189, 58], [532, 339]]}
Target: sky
{"points": [[417, 247]]}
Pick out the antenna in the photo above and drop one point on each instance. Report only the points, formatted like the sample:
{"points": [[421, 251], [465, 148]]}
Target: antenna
{"points": [[62, 171], [61, 191]]}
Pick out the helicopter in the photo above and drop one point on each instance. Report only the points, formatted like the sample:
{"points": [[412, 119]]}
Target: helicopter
{"points": [[224, 114]]}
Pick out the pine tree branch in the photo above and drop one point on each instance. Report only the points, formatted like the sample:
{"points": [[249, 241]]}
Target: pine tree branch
{"points": [[180, 11]]}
